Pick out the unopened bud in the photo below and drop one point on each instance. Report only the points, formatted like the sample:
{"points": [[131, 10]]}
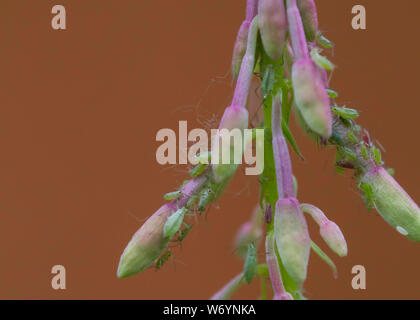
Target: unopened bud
{"points": [[250, 232], [146, 245], [273, 26], [234, 121], [334, 238], [393, 203], [311, 97], [240, 48], [292, 238], [309, 16]]}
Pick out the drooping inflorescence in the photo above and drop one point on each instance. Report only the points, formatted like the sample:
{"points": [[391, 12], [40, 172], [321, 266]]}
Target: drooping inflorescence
{"points": [[279, 44]]}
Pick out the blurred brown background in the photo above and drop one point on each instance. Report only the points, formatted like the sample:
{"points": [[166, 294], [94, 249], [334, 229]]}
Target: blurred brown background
{"points": [[80, 110]]}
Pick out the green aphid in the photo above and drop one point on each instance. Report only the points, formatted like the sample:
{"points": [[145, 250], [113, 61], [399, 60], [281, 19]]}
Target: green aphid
{"points": [[184, 232], [368, 195], [323, 41], [203, 158], [205, 199], [161, 261], [198, 170], [391, 171], [321, 61], [336, 138], [172, 195], [174, 222], [377, 157], [347, 153], [351, 136], [192, 202], [332, 94], [364, 151], [357, 128], [268, 81], [346, 113], [250, 266]]}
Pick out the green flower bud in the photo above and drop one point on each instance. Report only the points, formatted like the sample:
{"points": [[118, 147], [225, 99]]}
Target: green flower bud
{"points": [[309, 16], [292, 238], [393, 203], [146, 245], [273, 26], [234, 121], [333, 236], [311, 97]]}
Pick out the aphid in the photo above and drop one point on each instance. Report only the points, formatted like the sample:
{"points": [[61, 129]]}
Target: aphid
{"points": [[161, 261], [198, 170], [366, 137], [184, 232], [174, 222], [351, 136], [347, 153], [377, 157], [268, 213], [345, 165], [268, 81], [321, 61], [205, 199], [332, 94], [368, 195], [391, 171], [364, 151], [172, 195], [323, 41], [203, 158], [250, 266], [346, 113]]}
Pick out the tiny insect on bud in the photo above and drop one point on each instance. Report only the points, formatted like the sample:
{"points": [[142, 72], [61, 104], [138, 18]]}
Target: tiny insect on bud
{"points": [[292, 238], [393, 203], [240, 48], [311, 97], [273, 26], [146, 245], [309, 16]]}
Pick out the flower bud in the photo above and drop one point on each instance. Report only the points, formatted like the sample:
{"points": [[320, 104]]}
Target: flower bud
{"points": [[146, 245], [273, 26], [234, 121], [309, 16], [393, 203], [240, 48], [334, 238], [292, 238], [250, 232], [311, 97]]}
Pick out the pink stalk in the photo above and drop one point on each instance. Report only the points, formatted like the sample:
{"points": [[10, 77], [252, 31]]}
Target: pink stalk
{"points": [[247, 68], [297, 33], [251, 9], [274, 270], [281, 153]]}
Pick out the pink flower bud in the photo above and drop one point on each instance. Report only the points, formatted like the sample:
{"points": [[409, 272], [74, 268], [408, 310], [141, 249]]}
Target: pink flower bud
{"points": [[309, 16], [146, 245], [333, 236], [273, 26], [393, 203], [249, 232], [292, 238], [311, 97], [240, 48], [235, 118]]}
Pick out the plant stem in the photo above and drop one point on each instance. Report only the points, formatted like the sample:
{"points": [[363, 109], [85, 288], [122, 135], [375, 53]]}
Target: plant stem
{"points": [[281, 153]]}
